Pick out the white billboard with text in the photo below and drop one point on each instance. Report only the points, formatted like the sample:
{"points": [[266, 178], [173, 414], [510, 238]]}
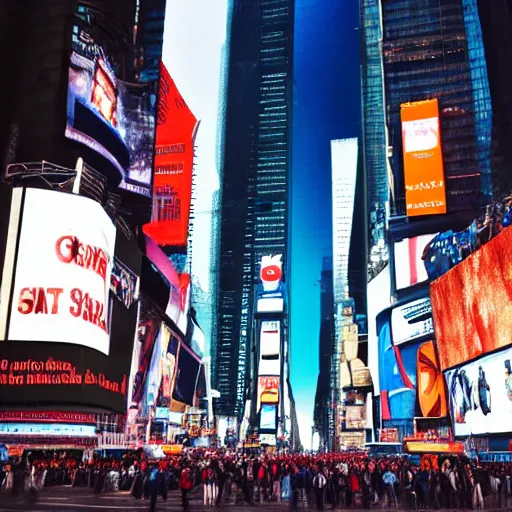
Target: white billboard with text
{"points": [[62, 273]]}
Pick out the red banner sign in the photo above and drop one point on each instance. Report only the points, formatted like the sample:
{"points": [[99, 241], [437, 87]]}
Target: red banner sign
{"points": [[48, 417]]}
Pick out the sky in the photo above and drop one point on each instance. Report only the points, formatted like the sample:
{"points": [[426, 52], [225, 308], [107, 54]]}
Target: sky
{"points": [[326, 106], [192, 62]]}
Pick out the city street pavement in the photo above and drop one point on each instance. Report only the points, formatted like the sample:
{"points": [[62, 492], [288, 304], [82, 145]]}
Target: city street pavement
{"points": [[67, 499]]}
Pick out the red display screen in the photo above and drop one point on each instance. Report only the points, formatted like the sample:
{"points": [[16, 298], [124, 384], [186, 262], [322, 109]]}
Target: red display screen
{"points": [[472, 304], [174, 158]]}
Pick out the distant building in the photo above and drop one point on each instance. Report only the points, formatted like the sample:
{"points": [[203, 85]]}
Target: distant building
{"points": [[255, 182]]}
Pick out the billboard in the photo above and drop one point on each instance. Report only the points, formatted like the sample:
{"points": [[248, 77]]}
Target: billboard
{"points": [[409, 266], [271, 273], [270, 340], [187, 375], [355, 416], [111, 103], [268, 417], [63, 271], [51, 374], [269, 367], [472, 304], [412, 320], [410, 378], [268, 390], [270, 305], [425, 190], [174, 160], [480, 395]]}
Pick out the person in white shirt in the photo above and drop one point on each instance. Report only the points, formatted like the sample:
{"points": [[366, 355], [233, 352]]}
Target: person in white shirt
{"points": [[319, 483]]}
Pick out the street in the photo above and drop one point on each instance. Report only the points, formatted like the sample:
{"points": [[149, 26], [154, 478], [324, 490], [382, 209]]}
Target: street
{"points": [[68, 499]]}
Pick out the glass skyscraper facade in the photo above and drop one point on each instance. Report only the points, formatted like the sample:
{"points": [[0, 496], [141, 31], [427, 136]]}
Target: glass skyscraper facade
{"points": [[434, 49], [255, 181]]}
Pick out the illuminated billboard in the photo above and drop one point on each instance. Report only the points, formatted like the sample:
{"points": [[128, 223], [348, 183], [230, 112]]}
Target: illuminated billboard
{"points": [[472, 304], [409, 267], [270, 340], [268, 390], [174, 160], [411, 382], [49, 354], [111, 103], [425, 190], [268, 417], [271, 273], [412, 320], [63, 271], [480, 395]]}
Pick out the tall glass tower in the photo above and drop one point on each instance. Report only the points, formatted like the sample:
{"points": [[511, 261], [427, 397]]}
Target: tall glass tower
{"points": [[255, 181]]}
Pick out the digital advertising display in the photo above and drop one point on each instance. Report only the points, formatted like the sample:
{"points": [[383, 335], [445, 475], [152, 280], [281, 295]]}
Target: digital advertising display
{"points": [[269, 367], [355, 416], [425, 189], [187, 374], [268, 390], [50, 374], [409, 266], [411, 382], [111, 103], [270, 339], [271, 273], [268, 417], [412, 320], [63, 271], [480, 395], [472, 304], [174, 160]]}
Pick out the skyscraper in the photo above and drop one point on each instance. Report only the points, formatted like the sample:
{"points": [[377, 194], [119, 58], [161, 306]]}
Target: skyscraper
{"points": [[255, 181], [424, 54]]}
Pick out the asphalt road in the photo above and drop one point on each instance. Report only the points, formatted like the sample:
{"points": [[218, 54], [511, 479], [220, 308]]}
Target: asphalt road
{"points": [[67, 499]]}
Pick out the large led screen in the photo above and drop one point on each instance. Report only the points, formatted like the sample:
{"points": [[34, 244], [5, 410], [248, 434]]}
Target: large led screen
{"points": [[268, 390], [412, 320], [409, 266], [111, 97], [270, 339], [174, 159], [51, 374], [411, 382], [268, 417], [187, 374], [480, 395], [472, 304], [425, 191], [63, 271]]}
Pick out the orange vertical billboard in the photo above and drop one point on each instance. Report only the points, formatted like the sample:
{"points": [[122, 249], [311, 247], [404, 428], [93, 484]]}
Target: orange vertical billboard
{"points": [[425, 191], [174, 160]]}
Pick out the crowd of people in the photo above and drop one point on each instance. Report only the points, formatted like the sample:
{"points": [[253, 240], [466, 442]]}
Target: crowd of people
{"points": [[333, 481]]}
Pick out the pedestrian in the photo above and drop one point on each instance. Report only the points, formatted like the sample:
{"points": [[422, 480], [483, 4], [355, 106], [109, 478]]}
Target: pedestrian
{"points": [[186, 487], [318, 485]]}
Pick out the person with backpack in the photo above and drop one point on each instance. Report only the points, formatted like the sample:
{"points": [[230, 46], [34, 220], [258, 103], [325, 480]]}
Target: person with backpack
{"points": [[186, 485], [319, 483]]}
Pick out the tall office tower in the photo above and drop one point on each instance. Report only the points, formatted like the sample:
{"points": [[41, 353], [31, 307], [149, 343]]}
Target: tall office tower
{"points": [[255, 181], [427, 138], [374, 140], [496, 20], [434, 49], [415, 51]]}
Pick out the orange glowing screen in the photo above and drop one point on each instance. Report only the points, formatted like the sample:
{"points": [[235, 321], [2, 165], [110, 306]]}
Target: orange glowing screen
{"points": [[425, 191], [174, 159], [472, 304], [268, 390], [430, 383]]}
